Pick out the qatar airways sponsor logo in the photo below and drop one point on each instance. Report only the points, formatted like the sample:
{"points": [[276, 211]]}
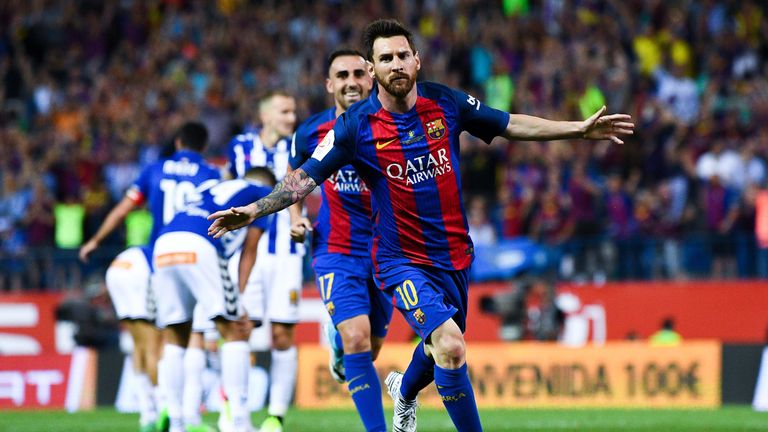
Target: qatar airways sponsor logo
{"points": [[421, 168], [346, 180]]}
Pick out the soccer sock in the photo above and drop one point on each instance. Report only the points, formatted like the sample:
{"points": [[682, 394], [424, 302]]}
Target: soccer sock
{"points": [[258, 385], [418, 375], [235, 361], [146, 395], [159, 389], [194, 364], [458, 397], [173, 382], [365, 389], [282, 375]]}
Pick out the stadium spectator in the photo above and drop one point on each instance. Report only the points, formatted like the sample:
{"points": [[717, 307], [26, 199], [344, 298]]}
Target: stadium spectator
{"points": [[480, 228], [82, 82], [666, 335]]}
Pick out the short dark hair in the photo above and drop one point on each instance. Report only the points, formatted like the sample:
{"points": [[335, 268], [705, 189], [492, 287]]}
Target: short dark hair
{"points": [[193, 136], [384, 28], [261, 174], [341, 52]]}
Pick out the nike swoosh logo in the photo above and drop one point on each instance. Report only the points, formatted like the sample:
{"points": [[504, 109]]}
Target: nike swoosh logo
{"points": [[380, 145], [349, 381]]}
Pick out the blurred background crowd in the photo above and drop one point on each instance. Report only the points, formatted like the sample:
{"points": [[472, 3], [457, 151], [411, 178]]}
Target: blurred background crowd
{"points": [[91, 91]]}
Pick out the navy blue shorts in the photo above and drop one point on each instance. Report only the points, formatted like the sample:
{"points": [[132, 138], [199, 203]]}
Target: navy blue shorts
{"points": [[427, 297], [346, 286]]}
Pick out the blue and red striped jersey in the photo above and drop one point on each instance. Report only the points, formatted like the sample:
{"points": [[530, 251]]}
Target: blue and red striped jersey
{"points": [[166, 186], [343, 222], [410, 163]]}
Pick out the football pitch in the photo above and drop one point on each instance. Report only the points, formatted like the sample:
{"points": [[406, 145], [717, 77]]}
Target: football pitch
{"points": [[730, 418]]}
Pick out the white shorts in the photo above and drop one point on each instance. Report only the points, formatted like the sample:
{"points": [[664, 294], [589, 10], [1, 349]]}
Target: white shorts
{"points": [[273, 291], [189, 271], [200, 322], [129, 288]]}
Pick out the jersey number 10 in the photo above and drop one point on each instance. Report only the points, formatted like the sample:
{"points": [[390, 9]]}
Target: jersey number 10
{"points": [[176, 195]]}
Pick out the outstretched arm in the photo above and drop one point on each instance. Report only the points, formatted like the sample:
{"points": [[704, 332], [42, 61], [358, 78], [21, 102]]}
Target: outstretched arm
{"points": [[294, 187], [112, 221], [597, 127]]}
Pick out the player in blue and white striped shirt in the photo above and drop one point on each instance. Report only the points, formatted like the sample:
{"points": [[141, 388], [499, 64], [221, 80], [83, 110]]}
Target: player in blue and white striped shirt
{"points": [[276, 280]]}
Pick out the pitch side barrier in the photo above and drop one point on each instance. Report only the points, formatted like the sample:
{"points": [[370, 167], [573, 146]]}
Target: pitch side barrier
{"points": [[547, 375]]}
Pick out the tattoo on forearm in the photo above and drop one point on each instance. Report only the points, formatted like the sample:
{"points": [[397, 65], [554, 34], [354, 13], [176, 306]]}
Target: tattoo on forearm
{"points": [[295, 186]]}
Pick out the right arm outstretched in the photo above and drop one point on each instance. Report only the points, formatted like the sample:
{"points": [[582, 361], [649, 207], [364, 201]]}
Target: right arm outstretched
{"points": [[294, 187]]}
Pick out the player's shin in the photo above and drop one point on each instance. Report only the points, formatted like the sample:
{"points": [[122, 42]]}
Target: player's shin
{"points": [[146, 397], [283, 376], [194, 364], [235, 361], [419, 374], [173, 381], [365, 389], [455, 390]]}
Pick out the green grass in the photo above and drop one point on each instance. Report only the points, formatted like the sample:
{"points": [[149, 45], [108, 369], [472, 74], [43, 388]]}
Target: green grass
{"points": [[731, 418]]}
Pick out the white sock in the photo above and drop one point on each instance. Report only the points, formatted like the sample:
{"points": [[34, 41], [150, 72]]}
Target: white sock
{"points": [[159, 399], [173, 383], [159, 392], [235, 361], [282, 375], [146, 395], [194, 365], [258, 386]]}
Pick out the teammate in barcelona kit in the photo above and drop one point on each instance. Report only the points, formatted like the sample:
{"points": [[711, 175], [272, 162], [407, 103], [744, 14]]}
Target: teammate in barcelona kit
{"points": [[275, 284], [341, 257], [404, 142], [164, 187], [192, 269]]}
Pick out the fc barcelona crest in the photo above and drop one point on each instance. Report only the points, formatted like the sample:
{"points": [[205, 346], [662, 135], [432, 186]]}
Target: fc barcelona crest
{"points": [[435, 129], [419, 316]]}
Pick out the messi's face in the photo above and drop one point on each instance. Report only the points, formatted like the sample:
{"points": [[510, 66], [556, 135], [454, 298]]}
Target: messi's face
{"points": [[395, 65], [279, 114], [348, 80]]}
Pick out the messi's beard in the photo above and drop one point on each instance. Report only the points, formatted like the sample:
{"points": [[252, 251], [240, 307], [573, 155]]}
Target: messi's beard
{"points": [[399, 88]]}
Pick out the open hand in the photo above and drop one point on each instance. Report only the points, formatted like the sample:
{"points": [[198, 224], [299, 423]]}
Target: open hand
{"points": [[600, 126], [225, 221]]}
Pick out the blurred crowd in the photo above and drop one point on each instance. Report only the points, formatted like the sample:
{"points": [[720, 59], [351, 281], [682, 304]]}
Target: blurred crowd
{"points": [[91, 92]]}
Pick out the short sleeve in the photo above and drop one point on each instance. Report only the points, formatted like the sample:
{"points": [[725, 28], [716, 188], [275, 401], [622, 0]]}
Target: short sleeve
{"points": [[333, 152], [139, 190], [479, 119], [299, 147]]}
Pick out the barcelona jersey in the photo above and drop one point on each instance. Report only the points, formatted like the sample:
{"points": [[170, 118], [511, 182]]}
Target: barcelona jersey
{"points": [[343, 222], [410, 163]]}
